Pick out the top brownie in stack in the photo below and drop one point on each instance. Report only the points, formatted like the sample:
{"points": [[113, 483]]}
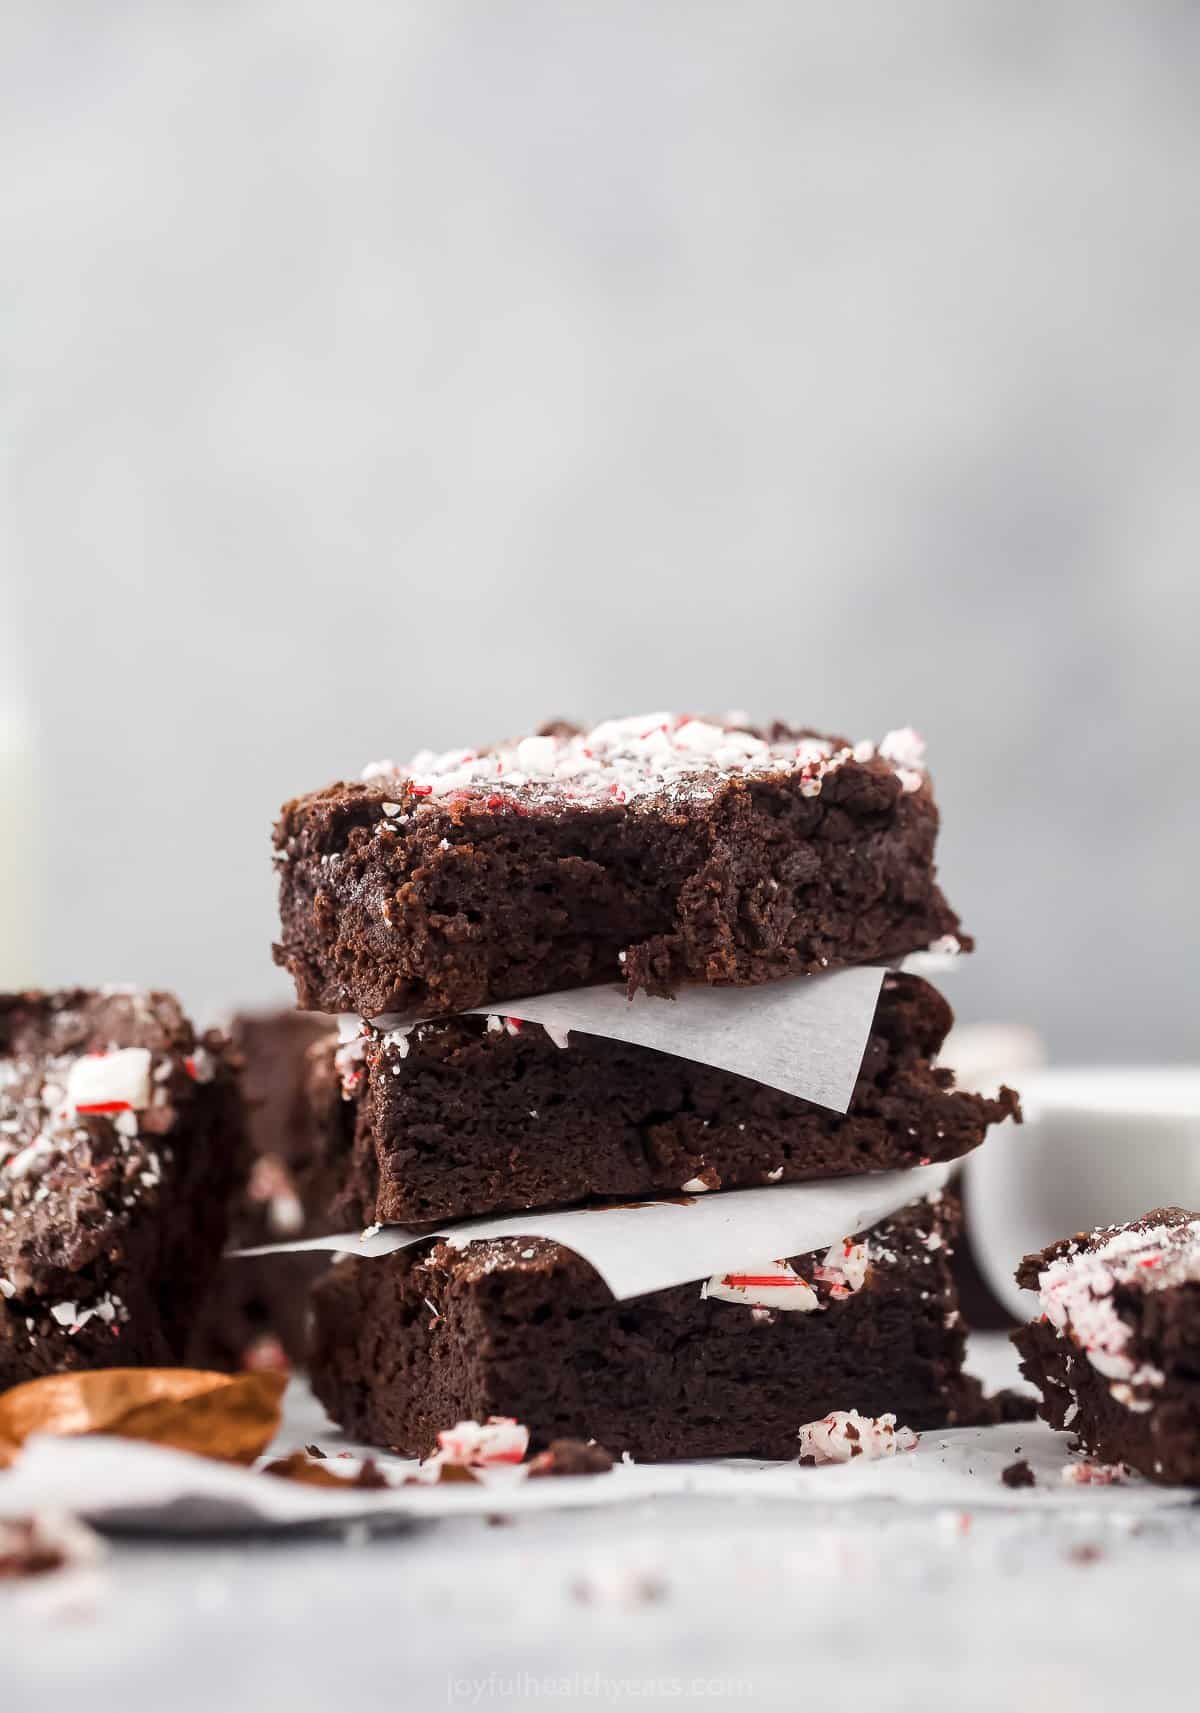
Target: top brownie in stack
{"points": [[661, 849], [120, 1148]]}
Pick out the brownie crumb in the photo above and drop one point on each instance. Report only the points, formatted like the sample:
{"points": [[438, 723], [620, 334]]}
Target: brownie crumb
{"points": [[308, 1467], [571, 1457], [976, 1410], [1019, 1474], [41, 1545]]}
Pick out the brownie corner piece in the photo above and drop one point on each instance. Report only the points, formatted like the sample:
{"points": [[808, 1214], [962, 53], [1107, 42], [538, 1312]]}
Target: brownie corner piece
{"points": [[409, 1343], [1115, 1352], [121, 1141], [656, 850]]}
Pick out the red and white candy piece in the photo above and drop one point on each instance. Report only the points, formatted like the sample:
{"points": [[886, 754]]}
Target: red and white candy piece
{"points": [[1095, 1474], [501, 1439], [108, 1083], [844, 1434], [844, 1268], [774, 1285]]}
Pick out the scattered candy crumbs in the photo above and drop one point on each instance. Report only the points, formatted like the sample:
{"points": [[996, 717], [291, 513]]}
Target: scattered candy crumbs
{"points": [[844, 1434], [1095, 1474], [478, 1445], [671, 755]]}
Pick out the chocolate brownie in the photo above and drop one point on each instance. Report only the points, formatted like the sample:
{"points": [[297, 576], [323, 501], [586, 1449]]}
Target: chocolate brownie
{"points": [[121, 1141], [1116, 1352], [256, 1314], [410, 1343], [472, 1115], [662, 849]]}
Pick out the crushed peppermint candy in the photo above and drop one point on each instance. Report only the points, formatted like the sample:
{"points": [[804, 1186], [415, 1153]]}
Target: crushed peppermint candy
{"points": [[844, 1434], [110, 1082], [773, 1286], [1076, 1291], [644, 756], [777, 1285], [1095, 1474], [476, 1445], [844, 1268]]}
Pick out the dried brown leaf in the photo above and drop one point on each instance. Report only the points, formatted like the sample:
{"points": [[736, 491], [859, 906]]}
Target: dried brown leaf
{"points": [[92, 1402], [234, 1423], [215, 1415]]}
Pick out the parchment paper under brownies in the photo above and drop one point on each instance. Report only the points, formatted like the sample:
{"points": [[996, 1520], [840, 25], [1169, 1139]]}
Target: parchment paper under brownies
{"points": [[121, 1141], [663, 848], [470, 1116]]}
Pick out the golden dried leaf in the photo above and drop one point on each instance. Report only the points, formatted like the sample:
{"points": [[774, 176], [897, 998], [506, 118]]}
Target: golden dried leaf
{"points": [[92, 1402], [191, 1409], [235, 1422]]}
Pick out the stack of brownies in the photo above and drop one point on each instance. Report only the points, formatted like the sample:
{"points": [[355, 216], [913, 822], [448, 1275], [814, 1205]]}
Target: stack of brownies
{"points": [[428, 900]]}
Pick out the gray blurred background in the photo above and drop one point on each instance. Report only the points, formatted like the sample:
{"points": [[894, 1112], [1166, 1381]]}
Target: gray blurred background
{"points": [[379, 375]]}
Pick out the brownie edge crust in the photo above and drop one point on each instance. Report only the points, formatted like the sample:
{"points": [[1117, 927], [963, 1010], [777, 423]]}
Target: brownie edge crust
{"points": [[657, 852], [411, 1343]]}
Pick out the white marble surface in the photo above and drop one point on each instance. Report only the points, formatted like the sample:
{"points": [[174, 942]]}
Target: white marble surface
{"points": [[682, 1600]]}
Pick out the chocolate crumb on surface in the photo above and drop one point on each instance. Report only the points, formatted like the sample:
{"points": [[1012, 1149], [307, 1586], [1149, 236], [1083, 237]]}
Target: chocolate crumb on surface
{"points": [[1019, 1474], [570, 1457]]}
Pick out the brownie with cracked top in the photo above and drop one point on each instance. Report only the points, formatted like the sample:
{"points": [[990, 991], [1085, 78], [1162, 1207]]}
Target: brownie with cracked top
{"points": [[478, 1115], [1116, 1351], [411, 1343], [658, 850], [121, 1143]]}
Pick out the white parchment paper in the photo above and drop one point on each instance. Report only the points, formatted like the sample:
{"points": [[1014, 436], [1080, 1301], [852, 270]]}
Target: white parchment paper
{"points": [[805, 1035], [649, 1246], [131, 1484]]}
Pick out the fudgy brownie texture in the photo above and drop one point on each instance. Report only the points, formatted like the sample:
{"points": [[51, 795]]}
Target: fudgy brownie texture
{"points": [[1116, 1353], [658, 850], [256, 1313], [473, 1115], [121, 1143], [412, 1343]]}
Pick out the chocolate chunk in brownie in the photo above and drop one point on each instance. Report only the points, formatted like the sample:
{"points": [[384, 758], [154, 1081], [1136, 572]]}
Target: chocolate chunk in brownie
{"points": [[471, 1115], [121, 1142], [256, 1314], [406, 1344], [657, 850], [1116, 1352]]}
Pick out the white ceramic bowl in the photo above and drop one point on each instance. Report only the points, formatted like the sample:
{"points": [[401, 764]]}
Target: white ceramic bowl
{"points": [[1098, 1147]]}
